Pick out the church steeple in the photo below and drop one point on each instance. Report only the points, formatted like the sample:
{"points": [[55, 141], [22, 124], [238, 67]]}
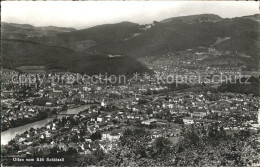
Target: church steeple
{"points": [[259, 116], [103, 103]]}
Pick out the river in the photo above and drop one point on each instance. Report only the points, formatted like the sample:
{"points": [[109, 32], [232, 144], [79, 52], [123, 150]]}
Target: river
{"points": [[6, 136], [9, 134]]}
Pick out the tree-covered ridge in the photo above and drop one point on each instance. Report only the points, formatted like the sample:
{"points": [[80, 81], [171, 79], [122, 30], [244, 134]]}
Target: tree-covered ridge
{"points": [[244, 85]]}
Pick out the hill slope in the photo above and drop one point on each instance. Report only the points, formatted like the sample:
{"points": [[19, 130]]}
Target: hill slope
{"points": [[99, 34], [23, 53]]}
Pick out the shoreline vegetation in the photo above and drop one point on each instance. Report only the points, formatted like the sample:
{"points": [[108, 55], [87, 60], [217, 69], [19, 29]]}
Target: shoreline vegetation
{"points": [[41, 116]]}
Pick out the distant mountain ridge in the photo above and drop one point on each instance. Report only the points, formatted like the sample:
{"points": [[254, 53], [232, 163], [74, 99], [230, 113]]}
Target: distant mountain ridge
{"points": [[134, 40], [178, 33], [255, 17], [25, 31], [194, 18]]}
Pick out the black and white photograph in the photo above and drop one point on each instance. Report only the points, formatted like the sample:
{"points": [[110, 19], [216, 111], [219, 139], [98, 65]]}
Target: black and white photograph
{"points": [[130, 83]]}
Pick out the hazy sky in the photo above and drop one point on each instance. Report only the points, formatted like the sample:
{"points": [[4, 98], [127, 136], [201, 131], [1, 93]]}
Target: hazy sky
{"points": [[83, 14]]}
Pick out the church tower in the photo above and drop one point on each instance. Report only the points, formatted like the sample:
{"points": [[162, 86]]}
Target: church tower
{"points": [[259, 116], [103, 104]]}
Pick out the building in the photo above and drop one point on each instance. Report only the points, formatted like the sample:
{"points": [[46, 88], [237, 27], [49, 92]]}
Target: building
{"points": [[199, 113], [111, 136], [188, 120]]}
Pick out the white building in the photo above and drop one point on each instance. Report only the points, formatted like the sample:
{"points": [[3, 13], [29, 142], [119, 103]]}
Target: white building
{"points": [[188, 120], [111, 136]]}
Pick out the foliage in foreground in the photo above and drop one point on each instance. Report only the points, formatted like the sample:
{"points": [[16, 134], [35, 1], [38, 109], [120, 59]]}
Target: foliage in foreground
{"points": [[198, 146]]}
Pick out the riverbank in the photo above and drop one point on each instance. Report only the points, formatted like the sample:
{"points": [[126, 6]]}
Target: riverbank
{"points": [[24, 121], [23, 117], [27, 120], [9, 134]]}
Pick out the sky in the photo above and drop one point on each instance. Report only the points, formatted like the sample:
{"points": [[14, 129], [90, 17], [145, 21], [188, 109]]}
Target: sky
{"points": [[84, 14]]}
